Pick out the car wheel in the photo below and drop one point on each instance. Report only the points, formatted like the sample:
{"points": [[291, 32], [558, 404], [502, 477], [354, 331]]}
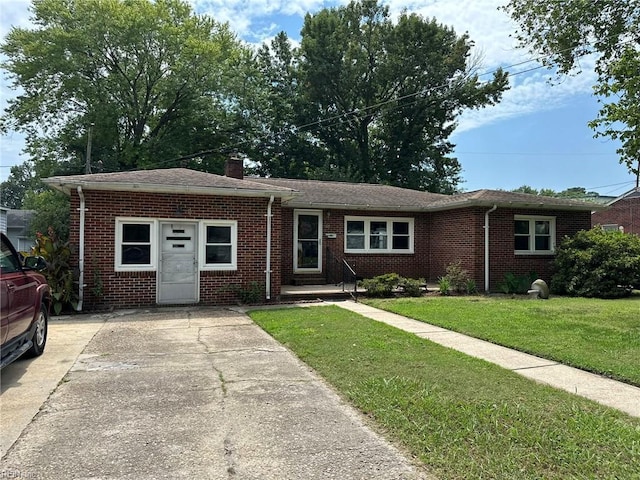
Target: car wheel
{"points": [[39, 338]]}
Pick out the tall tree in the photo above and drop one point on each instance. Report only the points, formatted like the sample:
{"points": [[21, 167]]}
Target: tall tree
{"points": [[565, 31], [385, 96], [154, 80]]}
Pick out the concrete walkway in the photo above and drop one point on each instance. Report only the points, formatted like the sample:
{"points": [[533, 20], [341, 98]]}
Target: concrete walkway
{"points": [[603, 390]]}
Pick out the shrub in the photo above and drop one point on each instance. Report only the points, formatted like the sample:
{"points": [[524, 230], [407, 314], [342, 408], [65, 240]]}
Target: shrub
{"points": [[412, 286], [517, 284], [458, 276], [382, 285], [57, 254], [597, 263], [471, 286], [444, 285]]}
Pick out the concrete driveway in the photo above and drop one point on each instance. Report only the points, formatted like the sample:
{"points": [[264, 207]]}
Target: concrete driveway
{"points": [[180, 393]]}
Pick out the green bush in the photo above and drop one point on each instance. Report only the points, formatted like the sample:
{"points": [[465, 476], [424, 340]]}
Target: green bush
{"points": [[382, 285], [597, 263], [59, 275], [386, 285], [444, 284], [517, 284], [458, 277], [412, 286]]}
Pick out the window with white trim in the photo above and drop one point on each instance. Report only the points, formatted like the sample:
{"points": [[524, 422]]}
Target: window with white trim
{"points": [[135, 245], [220, 245], [534, 234], [378, 235]]}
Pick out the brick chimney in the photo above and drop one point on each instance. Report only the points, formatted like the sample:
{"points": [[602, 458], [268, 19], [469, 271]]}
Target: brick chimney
{"points": [[234, 167]]}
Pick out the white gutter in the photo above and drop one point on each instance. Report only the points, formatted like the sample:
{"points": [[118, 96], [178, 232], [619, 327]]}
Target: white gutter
{"points": [[268, 269], [81, 252], [486, 247]]}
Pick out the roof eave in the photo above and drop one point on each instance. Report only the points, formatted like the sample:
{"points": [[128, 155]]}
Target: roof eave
{"points": [[590, 207], [66, 187], [346, 206]]}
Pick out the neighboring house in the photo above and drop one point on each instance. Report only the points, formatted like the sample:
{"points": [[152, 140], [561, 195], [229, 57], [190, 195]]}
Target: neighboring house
{"points": [[3, 220], [623, 213], [18, 222], [177, 236]]}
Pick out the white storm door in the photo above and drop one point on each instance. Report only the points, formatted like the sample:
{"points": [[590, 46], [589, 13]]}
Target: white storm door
{"points": [[307, 241], [178, 266]]}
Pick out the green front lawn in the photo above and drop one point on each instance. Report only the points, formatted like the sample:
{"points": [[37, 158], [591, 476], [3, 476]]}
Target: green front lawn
{"points": [[602, 336], [462, 417]]}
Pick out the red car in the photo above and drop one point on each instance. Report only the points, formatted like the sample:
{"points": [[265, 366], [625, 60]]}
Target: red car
{"points": [[25, 299]]}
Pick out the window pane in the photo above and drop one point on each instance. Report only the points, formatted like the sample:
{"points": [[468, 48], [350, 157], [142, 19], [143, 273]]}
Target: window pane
{"points": [[401, 243], [136, 254], [522, 243], [136, 233], [522, 227], [307, 226], [378, 242], [355, 227], [218, 234], [542, 227], [218, 254], [400, 228], [378, 228], [543, 243], [355, 242]]}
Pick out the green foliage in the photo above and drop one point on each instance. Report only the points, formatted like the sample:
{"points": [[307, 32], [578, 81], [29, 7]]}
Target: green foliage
{"points": [[516, 284], [51, 211], [559, 33], [59, 275], [578, 193], [597, 263], [382, 285], [388, 284], [456, 280], [471, 286], [412, 287], [154, 79], [444, 285], [251, 293], [379, 99]]}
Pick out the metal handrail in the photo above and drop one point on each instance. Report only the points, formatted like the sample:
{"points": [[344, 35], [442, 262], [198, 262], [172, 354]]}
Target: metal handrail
{"points": [[348, 273]]}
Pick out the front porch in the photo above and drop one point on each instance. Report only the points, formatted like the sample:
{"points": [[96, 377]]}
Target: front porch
{"points": [[293, 293]]}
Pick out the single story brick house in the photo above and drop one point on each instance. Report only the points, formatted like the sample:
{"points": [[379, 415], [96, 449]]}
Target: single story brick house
{"points": [[178, 236], [623, 213]]}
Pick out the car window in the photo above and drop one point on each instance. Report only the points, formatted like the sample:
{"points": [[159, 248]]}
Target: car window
{"points": [[8, 261]]}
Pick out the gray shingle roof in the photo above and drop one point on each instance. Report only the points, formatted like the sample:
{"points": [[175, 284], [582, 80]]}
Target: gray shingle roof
{"points": [[316, 193], [309, 193], [177, 180]]}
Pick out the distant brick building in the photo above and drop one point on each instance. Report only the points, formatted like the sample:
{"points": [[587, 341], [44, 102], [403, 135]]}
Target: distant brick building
{"points": [[177, 236], [623, 213]]}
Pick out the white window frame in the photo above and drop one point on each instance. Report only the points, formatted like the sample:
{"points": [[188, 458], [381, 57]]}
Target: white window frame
{"points": [[367, 234], [532, 219], [153, 242], [203, 245]]}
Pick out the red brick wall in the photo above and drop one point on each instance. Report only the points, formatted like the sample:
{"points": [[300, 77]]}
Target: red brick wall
{"points": [[459, 235], [135, 289], [366, 265], [625, 212]]}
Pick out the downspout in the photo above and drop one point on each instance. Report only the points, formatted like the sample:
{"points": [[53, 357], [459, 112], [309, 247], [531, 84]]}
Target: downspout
{"points": [[268, 269], [81, 252], [486, 247]]}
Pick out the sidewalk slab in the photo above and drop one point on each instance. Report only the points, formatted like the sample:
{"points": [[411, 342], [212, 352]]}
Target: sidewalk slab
{"points": [[600, 389]]}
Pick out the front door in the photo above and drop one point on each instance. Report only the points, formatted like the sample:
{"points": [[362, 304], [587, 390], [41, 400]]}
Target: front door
{"points": [[178, 272], [307, 241]]}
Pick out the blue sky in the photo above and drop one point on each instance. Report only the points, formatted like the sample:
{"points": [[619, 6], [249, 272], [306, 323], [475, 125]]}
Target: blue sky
{"points": [[536, 136]]}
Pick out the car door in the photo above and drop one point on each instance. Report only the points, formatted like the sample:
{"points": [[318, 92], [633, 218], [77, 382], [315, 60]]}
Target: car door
{"points": [[18, 293]]}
